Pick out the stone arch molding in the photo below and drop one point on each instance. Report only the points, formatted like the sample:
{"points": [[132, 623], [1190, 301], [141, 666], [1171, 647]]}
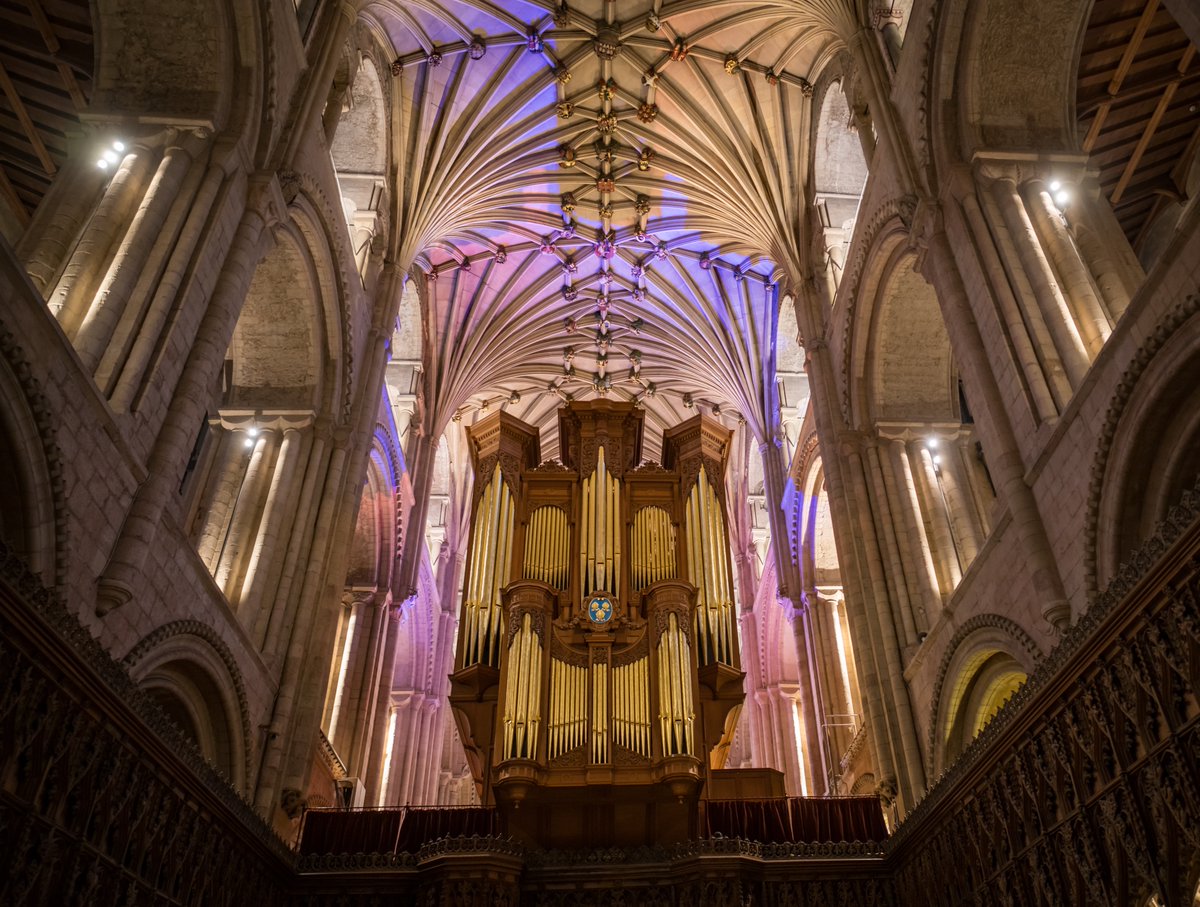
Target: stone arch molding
{"points": [[1104, 488], [199, 645], [970, 638], [33, 422], [888, 227], [323, 229]]}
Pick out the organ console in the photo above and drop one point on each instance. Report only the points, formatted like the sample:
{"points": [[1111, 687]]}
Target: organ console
{"points": [[598, 680]]}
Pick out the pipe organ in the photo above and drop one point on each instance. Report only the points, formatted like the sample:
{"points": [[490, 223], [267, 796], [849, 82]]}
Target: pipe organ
{"points": [[598, 649]]}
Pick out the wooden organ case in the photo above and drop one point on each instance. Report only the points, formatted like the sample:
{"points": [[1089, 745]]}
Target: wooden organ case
{"points": [[598, 677]]}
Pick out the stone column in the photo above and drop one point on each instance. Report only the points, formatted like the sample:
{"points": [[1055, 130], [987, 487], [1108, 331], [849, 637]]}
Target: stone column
{"points": [[1086, 310], [961, 499], [82, 273], [1043, 377], [898, 707], [58, 220], [1110, 257], [359, 680], [899, 570], [242, 529], [222, 492], [1032, 260], [122, 380], [108, 305], [810, 681], [944, 552], [174, 442], [278, 513], [1007, 467], [373, 735], [918, 542], [844, 507], [303, 678]]}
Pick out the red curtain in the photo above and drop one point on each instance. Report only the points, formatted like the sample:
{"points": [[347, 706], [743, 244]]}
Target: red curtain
{"points": [[390, 830], [787, 819]]}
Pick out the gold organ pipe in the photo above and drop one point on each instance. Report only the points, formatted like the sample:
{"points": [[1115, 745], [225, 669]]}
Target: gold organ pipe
{"points": [[520, 663], [477, 556], [599, 713], [564, 541], [552, 572], [673, 680], [650, 534], [483, 641], [601, 512], [636, 553], [499, 573], [618, 722], [695, 570], [543, 543], [710, 587], [686, 689], [522, 715], [617, 532], [646, 544], [664, 696], [489, 567], [534, 545], [510, 698], [628, 706], [712, 573], [645, 704], [555, 712], [637, 556], [588, 552], [529, 567]]}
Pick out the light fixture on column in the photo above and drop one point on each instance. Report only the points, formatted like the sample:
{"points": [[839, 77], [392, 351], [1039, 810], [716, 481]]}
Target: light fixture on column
{"points": [[1060, 194], [110, 155], [931, 443]]}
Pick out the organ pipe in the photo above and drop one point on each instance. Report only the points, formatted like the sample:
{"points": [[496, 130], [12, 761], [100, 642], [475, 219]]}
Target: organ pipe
{"points": [[653, 555], [568, 710], [600, 554], [600, 713], [675, 709], [631, 699], [522, 709], [708, 567], [599, 661], [491, 549], [546, 547]]}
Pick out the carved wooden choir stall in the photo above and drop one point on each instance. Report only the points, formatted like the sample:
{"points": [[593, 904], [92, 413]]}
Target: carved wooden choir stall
{"points": [[598, 676]]}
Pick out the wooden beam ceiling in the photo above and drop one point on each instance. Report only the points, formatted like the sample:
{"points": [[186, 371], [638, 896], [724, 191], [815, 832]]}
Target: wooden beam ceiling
{"points": [[1138, 97], [45, 79]]}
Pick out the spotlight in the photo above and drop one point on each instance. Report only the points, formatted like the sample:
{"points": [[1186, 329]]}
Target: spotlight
{"points": [[111, 156], [249, 444], [931, 443], [102, 164], [1062, 198], [1055, 185], [937, 461], [253, 433], [118, 146]]}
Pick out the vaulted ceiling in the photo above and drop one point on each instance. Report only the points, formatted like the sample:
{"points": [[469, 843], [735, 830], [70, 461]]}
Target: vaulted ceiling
{"points": [[602, 198]]}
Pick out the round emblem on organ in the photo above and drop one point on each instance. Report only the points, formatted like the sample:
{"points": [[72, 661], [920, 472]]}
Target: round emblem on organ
{"points": [[600, 609]]}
